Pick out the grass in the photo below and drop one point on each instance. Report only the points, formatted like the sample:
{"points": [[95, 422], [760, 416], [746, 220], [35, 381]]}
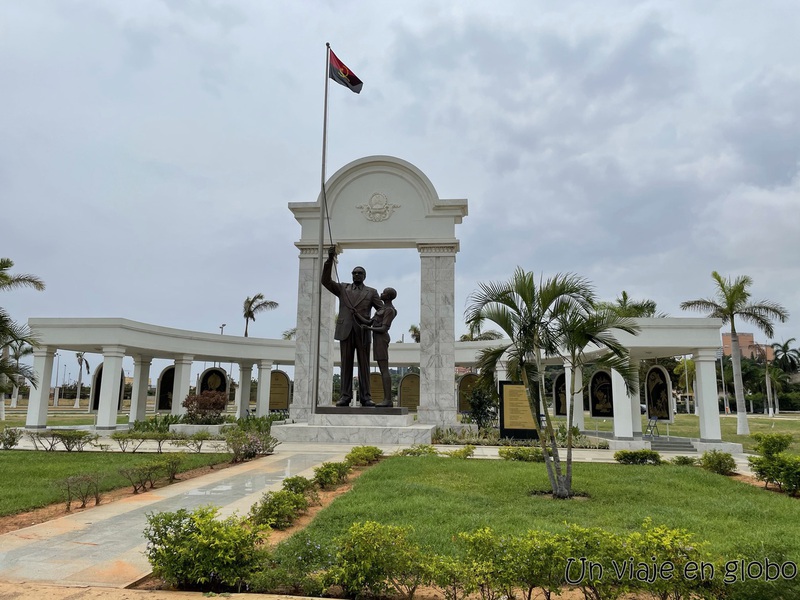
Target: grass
{"points": [[56, 420], [440, 497], [689, 426], [28, 477]]}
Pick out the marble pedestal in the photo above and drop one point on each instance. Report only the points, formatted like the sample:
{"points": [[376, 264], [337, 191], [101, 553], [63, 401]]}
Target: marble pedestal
{"points": [[355, 425]]}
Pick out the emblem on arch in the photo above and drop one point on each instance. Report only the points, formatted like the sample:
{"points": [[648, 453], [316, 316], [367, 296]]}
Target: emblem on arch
{"points": [[378, 208]]}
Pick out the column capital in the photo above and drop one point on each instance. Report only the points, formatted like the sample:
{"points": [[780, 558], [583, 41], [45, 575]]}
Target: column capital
{"points": [[440, 249], [705, 355], [265, 364], [113, 351], [186, 359], [43, 351]]}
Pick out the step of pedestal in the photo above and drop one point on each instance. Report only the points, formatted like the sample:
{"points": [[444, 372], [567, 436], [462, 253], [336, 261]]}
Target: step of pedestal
{"points": [[353, 434]]}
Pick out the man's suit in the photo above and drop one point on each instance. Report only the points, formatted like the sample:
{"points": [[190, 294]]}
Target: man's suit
{"points": [[353, 338]]}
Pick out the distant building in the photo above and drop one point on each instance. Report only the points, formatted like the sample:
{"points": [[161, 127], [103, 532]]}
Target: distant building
{"points": [[747, 345]]}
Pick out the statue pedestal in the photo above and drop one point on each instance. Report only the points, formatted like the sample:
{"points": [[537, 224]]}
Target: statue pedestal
{"points": [[356, 425]]}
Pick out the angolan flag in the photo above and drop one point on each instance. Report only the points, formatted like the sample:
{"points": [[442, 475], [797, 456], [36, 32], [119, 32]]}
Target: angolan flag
{"points": [[342, 75]]}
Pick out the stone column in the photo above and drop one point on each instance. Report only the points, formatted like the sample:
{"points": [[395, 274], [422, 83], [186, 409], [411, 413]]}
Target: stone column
{"points": [[437, 402], [636, 409], [40, 395], [141, 377], [110, 388], [705, 391], [306, 358], [623, 421], [245, 375], [180, 387], [577, 398], [264, 382]]}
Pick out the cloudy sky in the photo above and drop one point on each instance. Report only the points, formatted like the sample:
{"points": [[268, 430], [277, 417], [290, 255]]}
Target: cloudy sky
{"points": [[148, 149]]}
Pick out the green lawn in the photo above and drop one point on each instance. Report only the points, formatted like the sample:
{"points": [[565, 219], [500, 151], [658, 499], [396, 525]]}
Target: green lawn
{"points": [[57, 420], [689, 426], [28, 477], [440, 497]]}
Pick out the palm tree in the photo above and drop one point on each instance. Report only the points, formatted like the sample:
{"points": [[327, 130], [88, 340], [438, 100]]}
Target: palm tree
{"points": [[82, 363], [623, 306], [415, 333], [10, 282], [253, 306], [787, 359], [476, 335], [731, 300], [19, 350], [289, 334], [537, 320]]}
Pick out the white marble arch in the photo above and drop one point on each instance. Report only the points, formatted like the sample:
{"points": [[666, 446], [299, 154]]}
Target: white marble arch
{"points": [[382, 202]]}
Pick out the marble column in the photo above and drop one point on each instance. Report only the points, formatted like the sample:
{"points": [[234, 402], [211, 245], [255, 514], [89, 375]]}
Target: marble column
{"points": [[437, 402], [635, 399], [306, 357], [245, 377], [110, 388], [180, 387], [141, 378], [40, 396], [264, 382], [623, 419], [577, 398], [705, 391]]}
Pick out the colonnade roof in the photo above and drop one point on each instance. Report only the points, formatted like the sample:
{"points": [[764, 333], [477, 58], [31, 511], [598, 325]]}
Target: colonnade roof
{"points": [[661, 337]]}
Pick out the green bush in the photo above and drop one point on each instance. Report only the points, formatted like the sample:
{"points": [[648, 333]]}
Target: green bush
{"points": [[521, 453], [279, 509], [419, 450], [128, 439], [71, 439], [170, 465], [463, 453], [158, 422], [205, 408], [537, 559], [790, 474], [601, 547], [80, 487], [771, 444], [718, 462], [638, 457], [483, 407], [488, 559], [245, 444], [372, 559], [302, 485], [330, 474], [684, 461], [298, 567], [361, 456], [10, 437], [195, 441], [197, 550], [452, 576], [142, 476]]}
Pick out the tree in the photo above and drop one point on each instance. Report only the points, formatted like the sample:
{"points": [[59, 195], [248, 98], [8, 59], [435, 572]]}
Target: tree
{"points": [[415, 333], [476, 335], [253, 306], [289, 334], [623, 306], [787, 359], [82, 363], [11, 332], [553, 318], [19, 350], [732, 300]]}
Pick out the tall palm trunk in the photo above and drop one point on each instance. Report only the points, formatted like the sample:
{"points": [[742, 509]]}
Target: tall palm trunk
{"points": [[78, 390], [742, 427]]}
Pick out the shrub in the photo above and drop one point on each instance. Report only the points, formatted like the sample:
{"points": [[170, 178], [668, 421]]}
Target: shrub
{"points": [[418, 450], [463, 453], [157, 423], [718, 462], [766, 469], [195, 441], [452, 576], [81, 487], [361, 456], [600, 547], [789, 474], [297, 567], [521, 453], [330, 474], [638, 457], [489, 564], [246, 444], [279, 509], [684, 461], [537, 559], [483, 407], [75, 439], [302, 485], [127, 439], [141, 476], [205, 408], [197, 550], [170, 464], [10, 437], [373, 558], [771, 444]]}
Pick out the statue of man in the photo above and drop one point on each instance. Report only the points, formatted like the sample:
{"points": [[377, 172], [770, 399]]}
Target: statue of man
{"points": [[379, 325], [355, 298]]}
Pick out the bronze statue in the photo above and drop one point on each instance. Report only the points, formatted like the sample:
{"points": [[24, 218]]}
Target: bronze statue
{"points": [[354, 299], [379, 325]]}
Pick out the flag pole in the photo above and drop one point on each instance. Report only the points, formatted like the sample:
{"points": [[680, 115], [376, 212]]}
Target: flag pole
{"points": [[315, 349]]}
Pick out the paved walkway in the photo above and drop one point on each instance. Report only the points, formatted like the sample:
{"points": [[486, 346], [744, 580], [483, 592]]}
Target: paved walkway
{"points": [[104, 546]]}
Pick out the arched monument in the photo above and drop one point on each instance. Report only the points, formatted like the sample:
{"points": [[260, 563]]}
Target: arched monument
{"points": [[382, 202]]}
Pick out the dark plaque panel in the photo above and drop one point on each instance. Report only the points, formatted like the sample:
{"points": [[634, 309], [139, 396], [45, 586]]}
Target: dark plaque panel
{"points": [[657, 394], [409, 391], [165, 384], [601, 399], [214, 380], [465, 386], [516, 418], [560, 395], [98, 383], [278, 391]]}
